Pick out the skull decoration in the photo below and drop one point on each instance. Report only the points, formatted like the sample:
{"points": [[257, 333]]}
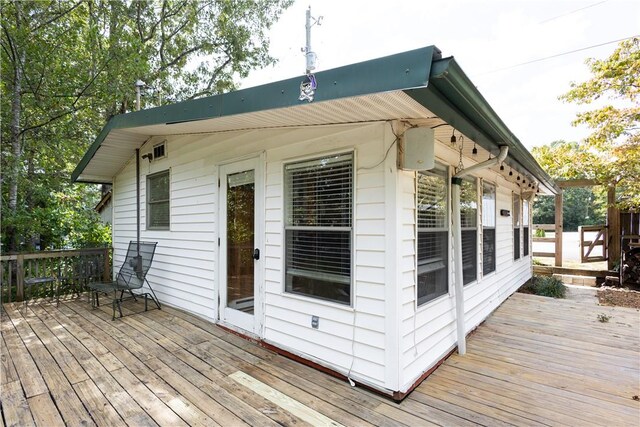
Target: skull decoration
{"points": [[308, 88]]}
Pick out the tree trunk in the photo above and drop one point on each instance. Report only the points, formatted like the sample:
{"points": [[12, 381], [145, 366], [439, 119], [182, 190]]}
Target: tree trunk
{"points": [[16, 148]]}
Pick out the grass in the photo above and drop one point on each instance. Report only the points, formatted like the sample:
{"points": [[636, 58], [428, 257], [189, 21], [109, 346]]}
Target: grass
{"points": [[545, 286]]}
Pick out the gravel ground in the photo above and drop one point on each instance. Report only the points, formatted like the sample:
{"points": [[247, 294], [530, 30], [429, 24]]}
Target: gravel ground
{"points": [[619, 297], [606, 295]]}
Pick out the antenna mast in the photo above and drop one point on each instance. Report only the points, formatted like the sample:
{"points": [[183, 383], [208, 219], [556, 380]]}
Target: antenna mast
{"points": [[309, 54]]}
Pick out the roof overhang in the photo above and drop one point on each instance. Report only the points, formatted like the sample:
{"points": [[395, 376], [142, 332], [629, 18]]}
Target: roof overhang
{"points": [[413, 85]]}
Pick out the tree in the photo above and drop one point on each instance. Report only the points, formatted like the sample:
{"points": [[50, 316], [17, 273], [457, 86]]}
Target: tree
{"points": [[69, 65], [581, 206], [614, 144]]}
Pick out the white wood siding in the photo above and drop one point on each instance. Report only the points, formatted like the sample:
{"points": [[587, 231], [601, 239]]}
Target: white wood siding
{"points": [[383, 339], [288, 317], [184, 272], [184, 264], [429, 331]]}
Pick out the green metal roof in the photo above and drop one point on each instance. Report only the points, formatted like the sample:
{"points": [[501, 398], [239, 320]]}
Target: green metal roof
{"points": [[437, 84]]}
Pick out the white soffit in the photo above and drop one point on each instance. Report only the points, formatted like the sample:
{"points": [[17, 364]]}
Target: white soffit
{"points": [[118, 147], [376, 107]]}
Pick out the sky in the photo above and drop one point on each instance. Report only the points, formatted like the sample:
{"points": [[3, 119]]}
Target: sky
{"points": [[489, 39]]}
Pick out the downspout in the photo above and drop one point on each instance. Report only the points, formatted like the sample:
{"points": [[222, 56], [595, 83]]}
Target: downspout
{"points": [[456, 181], [138, 258]]}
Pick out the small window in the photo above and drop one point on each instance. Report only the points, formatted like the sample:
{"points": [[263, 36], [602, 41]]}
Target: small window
{"points": [[433, 234], [158, 201], [525, 227], [488, 228], [516, 225], [159, 150], [469, 233], [318, 227]]}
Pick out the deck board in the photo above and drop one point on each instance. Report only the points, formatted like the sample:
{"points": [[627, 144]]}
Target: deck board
{"points": [[535, 361]]}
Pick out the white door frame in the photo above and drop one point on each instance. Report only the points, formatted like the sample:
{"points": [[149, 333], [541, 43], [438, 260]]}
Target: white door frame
{"points": [[244, 322]]}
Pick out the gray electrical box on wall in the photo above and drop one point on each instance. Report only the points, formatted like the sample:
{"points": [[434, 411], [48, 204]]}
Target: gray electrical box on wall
{"points": [[418, 152]]}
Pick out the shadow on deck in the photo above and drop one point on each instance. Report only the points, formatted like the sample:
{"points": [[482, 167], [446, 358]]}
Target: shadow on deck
{"points": [[534, 361]]}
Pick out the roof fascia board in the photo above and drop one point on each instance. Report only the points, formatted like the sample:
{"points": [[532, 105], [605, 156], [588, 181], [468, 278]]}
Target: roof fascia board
{"points": [[395, 72], [449, 81]]}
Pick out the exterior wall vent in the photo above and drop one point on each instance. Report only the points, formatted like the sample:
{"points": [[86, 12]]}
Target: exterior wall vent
{"points": [[160, 150]]}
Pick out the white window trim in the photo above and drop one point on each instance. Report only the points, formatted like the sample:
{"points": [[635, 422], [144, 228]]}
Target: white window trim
{"points": [[495, 228], [477, 228], [148, 194], [449, 294], [520, 255], [352, 282]]}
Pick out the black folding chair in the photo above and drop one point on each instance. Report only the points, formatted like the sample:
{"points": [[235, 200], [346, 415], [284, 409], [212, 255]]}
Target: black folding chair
{"points": [[131, 277]]}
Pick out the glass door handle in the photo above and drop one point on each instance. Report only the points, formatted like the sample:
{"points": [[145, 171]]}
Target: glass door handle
{"points": [[256, 254]]}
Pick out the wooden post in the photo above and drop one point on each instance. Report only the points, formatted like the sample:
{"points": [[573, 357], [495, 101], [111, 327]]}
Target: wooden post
{"points": [[19, 278], [106, 274], [558, 230], [613, 228]]}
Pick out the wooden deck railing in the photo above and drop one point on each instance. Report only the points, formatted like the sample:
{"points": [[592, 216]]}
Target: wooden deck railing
{"points": [[76, 267], [547, 228]]}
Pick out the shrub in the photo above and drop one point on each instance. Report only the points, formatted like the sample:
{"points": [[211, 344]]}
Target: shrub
{"points": [[545, 286]]}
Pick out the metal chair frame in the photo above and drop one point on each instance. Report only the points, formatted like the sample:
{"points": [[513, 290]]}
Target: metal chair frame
{"points": [[132, 276]]}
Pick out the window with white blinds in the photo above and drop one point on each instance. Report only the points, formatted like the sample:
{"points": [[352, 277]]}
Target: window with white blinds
{"points": [[488, 228], [432, 204], [318, 227], [158, 204], [517, 204], [469, 225]]}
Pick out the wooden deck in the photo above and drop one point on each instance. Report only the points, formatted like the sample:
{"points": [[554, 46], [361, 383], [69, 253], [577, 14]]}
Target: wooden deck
{"points": [[534, 361]]}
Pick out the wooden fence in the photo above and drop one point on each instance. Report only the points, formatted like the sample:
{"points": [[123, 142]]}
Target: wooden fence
{"points": [[600, 239], [547, 228], [68, 267]]}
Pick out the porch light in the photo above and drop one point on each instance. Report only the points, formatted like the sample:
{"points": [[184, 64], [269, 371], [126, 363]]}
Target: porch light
{"points": [[453, 137], [474, 152]]}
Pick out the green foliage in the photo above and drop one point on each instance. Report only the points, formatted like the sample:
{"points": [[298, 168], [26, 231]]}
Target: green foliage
{"points": [[581, 206], [540, 233], [67, 66], [546, 286], [613, 147]]}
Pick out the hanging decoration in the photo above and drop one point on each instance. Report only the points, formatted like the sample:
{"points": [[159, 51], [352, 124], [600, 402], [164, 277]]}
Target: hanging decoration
{"points": [[308, 88], [460, 148]]}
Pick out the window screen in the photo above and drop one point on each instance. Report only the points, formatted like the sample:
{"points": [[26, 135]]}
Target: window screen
{"points": [[158, 201], [433, 234], [318, 225], [516, 226], [469, 223], [488, 228]]}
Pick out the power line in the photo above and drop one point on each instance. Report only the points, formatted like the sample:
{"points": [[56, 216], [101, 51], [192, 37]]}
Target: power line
{"points": [[555, 56], [572, 12]]}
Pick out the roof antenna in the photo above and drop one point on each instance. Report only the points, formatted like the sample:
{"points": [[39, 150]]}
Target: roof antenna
{"points": [[309, 54], [309, 85]]}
